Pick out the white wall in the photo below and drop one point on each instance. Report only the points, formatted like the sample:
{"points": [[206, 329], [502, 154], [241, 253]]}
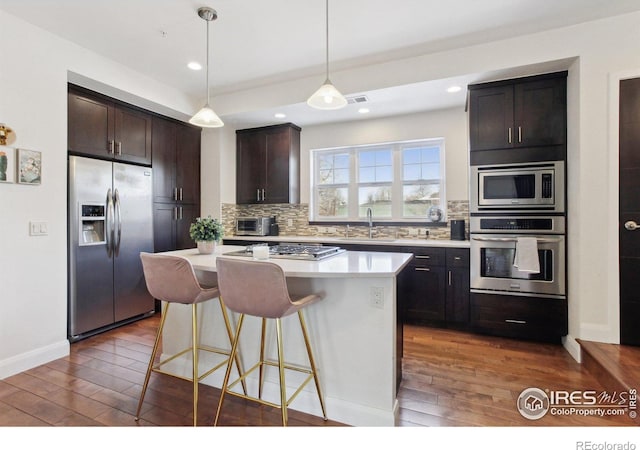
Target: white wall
{"points": [[33, 75]]}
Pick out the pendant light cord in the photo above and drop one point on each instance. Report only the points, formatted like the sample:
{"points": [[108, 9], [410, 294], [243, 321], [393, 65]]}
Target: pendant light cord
{"points": [[208, 103], [327, 34]]}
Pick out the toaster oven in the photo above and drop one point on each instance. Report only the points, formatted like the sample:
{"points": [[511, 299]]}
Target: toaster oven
{"points": [[253, 226]]}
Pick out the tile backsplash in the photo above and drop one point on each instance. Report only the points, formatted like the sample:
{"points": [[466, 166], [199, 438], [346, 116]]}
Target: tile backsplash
{"points": [[293, 220]]}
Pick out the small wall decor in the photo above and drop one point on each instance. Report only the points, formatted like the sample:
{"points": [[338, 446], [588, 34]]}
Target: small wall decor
{"points": [[7, 136], [7, 165], [29, 166]]}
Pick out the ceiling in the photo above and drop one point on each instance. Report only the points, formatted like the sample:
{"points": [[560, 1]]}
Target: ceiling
{"points": [[257, 42]]}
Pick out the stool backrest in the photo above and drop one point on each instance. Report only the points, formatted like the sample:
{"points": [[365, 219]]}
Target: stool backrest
{"points": [[256, 288], [170, 278]]}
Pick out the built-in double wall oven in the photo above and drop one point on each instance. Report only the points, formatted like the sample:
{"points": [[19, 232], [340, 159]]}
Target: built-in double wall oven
{"points": [[518, 212]]}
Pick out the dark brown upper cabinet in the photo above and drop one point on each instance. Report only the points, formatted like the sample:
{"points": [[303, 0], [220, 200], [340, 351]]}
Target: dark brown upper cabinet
{"points": [[268, 164], [101, 127], [527, 113]]}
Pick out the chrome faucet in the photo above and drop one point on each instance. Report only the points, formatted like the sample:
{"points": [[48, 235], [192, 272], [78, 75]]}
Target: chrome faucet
{"points": [[370, 221]]}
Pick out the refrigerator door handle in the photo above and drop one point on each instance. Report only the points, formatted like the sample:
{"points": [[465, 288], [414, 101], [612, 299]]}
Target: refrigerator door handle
{"points": [[110, 224], [117, 224]]}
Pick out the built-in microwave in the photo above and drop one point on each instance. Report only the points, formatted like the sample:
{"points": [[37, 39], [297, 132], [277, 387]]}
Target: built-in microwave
{"points": [[253, 226], [537, 186]]}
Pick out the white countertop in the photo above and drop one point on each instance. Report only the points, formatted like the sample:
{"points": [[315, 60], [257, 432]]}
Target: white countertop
{"points": [[344, 241], [344, 265]]}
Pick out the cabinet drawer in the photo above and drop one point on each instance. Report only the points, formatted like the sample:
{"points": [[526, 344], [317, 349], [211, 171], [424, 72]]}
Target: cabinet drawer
{"points": [[427, 256], [523, 317], [457, 257]]}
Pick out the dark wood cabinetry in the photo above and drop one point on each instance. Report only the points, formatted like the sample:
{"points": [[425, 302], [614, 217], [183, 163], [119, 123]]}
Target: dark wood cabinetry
{"points": [[435, 287], [102, 127], [536, 318], [525, 115], [176, 182], [268, 164]]}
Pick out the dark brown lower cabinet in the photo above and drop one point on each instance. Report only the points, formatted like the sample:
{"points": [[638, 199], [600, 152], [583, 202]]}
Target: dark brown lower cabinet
{"points": [[535, 318]]}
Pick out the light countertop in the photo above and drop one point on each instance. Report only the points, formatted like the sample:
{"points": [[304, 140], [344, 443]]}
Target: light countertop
{"points": [[344, 265], [354, 240]]}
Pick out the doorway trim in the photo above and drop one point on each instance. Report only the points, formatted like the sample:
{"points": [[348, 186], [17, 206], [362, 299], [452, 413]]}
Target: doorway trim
{"points": [[613, 290]]}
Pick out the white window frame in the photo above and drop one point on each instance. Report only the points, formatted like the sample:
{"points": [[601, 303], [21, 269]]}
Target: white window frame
{"points": [[397, 183]]}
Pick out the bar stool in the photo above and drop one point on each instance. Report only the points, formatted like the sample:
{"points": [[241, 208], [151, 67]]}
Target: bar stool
{"points": [[259, 289], [173, 280]]}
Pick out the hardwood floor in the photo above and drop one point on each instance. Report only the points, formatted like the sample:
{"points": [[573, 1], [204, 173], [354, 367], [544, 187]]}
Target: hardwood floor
{"points": [[450, 379]]}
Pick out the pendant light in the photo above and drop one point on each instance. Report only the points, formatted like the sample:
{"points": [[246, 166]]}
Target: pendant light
{"points": [[327, 97], [206, 117]]}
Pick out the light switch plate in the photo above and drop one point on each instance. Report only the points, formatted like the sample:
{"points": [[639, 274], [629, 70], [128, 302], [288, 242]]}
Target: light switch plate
{"points": [[38, 228]]}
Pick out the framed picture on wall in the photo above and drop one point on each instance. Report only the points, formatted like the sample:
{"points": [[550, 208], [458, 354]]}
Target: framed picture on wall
{"points": [[7, 165], [29, 166]]}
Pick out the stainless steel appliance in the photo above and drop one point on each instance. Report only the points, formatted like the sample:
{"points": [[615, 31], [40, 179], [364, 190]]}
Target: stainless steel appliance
{"points": [[253, 226], [293, 251], [537, 186], [110, 223], [493, 249]]}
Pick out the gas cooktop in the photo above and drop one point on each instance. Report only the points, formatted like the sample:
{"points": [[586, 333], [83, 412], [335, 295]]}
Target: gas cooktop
{"points": [[294, 251]]}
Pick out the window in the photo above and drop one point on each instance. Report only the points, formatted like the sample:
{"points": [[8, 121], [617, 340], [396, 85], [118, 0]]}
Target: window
{"points": [[399, 181]]}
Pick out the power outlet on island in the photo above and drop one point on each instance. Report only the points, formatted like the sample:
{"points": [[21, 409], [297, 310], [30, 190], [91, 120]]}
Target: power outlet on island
{"points": [[377, 297]]}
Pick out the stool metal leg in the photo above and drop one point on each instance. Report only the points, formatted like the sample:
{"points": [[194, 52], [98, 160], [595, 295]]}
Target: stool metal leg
{"points": [[283, 387], [234, 351], [312, 362], [194, 343], [227, 324], [262, 339], [163, 318]]}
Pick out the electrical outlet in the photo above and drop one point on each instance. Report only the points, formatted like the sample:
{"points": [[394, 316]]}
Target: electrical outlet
{"points": [[289, 222], [377, 297], [414, 231]]}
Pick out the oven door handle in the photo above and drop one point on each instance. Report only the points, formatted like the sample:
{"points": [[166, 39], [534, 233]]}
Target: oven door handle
{"points": [[540, 240]]}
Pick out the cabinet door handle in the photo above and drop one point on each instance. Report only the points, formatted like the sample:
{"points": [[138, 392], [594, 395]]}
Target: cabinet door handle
{"points": [[510, 139], [449, 278], [175, 213], [181, 211], [180, 194], [111, 147], [423, 269], [423, 257], [257, 195], [263, 195], [519, 134], [457, 258], [119, 148], [175, 193], [521, 322]]}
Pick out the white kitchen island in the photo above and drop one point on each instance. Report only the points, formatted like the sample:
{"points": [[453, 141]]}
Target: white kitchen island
{"points": [[353, 336]]}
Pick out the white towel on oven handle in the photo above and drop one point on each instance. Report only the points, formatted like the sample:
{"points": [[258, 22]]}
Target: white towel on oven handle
{"points": [[526, 258]]}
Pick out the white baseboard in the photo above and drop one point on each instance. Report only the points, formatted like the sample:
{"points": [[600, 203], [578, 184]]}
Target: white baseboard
{"points": [[571, 345], [34, 358]]}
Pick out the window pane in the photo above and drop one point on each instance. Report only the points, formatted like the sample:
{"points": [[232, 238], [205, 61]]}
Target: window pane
{"points": [[375, 166], [333, 168], [377, 198], [421, 163], [417, 198], [430, 171], [411, 172], [332, 202], [411, 156]]}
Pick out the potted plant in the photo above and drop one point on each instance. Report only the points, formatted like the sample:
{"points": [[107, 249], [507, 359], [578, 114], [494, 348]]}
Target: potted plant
{"points": [[206, 232]]}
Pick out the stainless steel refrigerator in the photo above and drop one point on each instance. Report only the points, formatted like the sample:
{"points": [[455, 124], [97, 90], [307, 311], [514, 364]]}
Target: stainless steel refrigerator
{"points": [[110, 223]]}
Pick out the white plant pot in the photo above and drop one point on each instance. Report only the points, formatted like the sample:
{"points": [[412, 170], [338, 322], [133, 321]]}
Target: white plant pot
{"points": [[207, 247]]}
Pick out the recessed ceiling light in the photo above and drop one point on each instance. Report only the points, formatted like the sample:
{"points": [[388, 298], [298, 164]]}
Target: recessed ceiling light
{"points": [[363, 110], [194, 65], [280, 115], [453, 89]]}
